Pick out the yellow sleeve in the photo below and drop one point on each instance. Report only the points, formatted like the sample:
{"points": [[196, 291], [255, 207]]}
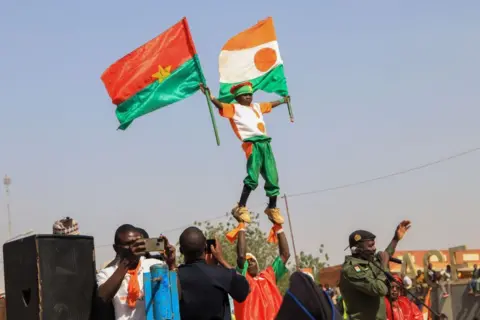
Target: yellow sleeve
{"points": [[227, 110]]}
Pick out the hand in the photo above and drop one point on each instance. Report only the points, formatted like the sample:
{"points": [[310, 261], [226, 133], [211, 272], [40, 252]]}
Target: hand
{"points": [[402, 228], [170, 252], [210, 259], [217, 251], [385, 258], [287, 99], [203, 88], [138, 248]]}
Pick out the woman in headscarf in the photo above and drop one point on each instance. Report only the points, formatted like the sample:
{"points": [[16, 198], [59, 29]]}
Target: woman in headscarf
{"points": [[399, 307], [305, 300]]}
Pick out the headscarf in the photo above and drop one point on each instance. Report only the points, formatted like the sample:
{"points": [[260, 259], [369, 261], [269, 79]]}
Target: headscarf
{"points": [[251, 256], [305, 300], [66, 226]]}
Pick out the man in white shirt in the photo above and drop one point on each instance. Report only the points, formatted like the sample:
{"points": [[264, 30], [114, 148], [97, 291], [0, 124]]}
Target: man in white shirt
{"points": [[122, 282]]}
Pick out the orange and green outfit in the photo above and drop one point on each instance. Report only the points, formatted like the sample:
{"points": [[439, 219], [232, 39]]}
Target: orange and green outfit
{"points": [[264, 299], [248, 125]]}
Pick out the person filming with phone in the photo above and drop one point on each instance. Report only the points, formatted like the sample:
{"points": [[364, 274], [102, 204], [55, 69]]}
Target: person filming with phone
{"points": [[363, 282], [206, 279], [122, 281]]}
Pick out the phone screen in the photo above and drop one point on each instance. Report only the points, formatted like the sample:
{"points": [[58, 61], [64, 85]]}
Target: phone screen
{"points": [[211, 242]]}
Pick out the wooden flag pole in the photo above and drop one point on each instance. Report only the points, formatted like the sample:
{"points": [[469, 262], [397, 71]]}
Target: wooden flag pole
{"points": [[214, 123], [202, 78], [290, 112], [297, 262]]}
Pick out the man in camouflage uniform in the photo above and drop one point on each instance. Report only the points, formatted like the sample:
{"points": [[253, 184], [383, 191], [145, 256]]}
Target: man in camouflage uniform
{"points": [[364, 285]]}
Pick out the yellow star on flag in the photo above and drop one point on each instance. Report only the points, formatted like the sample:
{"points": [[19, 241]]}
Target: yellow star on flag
{"points": [[162, 73]]}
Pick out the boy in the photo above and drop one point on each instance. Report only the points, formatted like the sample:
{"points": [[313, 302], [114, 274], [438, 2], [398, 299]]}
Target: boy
{"points": [[247, 122]]}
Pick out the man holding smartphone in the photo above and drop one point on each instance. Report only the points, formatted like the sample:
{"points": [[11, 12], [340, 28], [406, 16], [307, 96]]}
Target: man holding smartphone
{"points": [[122, 282], [206, 279]]}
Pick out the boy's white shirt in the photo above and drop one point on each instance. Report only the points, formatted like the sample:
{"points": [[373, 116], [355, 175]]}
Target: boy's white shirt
{"points": [[122, 310]]}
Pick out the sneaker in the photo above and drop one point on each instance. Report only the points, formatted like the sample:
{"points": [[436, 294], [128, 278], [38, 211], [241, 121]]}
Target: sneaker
{"points": [[274, 215], [241, 214]]}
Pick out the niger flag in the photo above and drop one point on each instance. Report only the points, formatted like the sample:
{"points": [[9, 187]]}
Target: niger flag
{"points": [[163, 71], [252, 55]]}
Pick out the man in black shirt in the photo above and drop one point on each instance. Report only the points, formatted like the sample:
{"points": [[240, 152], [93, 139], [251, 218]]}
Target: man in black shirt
{"points": [[204, 287]]}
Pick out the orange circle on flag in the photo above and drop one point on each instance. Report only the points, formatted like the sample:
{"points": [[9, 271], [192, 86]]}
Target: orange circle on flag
{"points": [[261, 127], [265, 59]]}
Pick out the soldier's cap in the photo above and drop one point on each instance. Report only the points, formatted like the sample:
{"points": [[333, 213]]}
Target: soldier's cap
{"points": [[359, 236]]}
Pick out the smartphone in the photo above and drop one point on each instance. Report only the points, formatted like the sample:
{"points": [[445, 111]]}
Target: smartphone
{"points": [[154, 245], [211, 242]]}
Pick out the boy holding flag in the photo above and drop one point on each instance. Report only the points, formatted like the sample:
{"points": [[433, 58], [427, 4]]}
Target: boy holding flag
{"points": [[248, 124]]}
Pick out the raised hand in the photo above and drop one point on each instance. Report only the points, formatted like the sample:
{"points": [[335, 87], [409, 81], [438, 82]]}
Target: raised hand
{"points": [[402, 228], [217, 251], [170, 252]]}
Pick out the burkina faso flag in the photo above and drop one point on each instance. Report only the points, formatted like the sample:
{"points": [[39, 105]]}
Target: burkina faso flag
{"points": [[163, 71]]}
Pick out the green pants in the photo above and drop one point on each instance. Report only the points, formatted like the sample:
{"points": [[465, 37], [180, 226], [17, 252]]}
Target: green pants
{"points": [[261, 161]]}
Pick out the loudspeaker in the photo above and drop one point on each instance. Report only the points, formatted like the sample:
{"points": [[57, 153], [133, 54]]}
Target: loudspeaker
{"points": [[49, 277]]}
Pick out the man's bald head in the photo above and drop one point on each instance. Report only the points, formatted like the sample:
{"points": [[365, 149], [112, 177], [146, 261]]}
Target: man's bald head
{"points": [[193, 243]]}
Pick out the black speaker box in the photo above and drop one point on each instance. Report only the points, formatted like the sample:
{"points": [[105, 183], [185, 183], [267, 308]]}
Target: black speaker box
{"points": [[49, 277]]}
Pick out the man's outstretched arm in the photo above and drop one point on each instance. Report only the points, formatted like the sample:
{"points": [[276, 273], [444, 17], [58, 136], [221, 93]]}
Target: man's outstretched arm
{"points": [[279, 266], [283, 248], [281, 101], [241, 249], [400, 231]]}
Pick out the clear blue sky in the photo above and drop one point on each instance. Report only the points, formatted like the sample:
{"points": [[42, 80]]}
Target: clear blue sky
{"points": [[376, 87]]}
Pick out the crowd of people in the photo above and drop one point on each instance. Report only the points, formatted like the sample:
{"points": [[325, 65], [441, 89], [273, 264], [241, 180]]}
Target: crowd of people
{"points": [[209, 287], [207, 282]]}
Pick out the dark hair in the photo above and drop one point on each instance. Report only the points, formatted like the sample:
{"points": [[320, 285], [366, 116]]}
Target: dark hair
{"points": [[192, 243], [124, 228], [143, 233]]}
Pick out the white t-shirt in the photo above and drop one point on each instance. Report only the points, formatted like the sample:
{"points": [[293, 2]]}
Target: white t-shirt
{"points": [[407, 282], [122, 310]]}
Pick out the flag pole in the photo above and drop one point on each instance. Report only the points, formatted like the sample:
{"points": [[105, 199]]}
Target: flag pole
{"points": [[297, 262], [214, 123], [290, 112], [202, 78]]}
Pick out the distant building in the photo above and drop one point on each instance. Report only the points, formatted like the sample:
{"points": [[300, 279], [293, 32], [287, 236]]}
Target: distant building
{"points": [[470, 257]]}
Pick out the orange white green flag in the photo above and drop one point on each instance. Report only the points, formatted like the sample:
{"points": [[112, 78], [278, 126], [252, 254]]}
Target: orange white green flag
{"points": [[252, 55]]}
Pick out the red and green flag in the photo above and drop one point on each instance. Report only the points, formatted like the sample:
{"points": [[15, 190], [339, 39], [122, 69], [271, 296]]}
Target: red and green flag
{"points": [[161, 72]]}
